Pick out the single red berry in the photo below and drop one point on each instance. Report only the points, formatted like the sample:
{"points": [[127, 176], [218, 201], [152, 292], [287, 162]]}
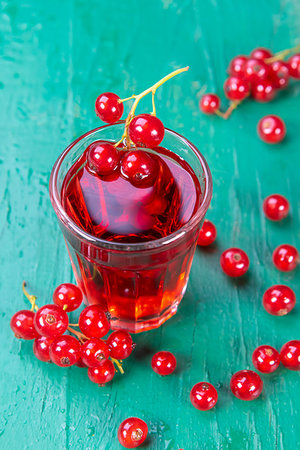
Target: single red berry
{"points": [[51, 321], [294, 66], [102, 158], [163, 363], [234, 262], [147, 130], [276, 207], [22, 324], [94, 351], [246, 385], [41, 348], [290, 355], [102, 374], [120, 344], [285, 257], [209, 103], [266, 359], [93, 322], [208, 234], [271, 129], [279, 75], [67, 296], [263, 91], [237, 66], [236, 88], [140, 168], [65, 351], [204, 396], [256, 70], [279, 300], [132, 432], [109, 108], [261, 53]]}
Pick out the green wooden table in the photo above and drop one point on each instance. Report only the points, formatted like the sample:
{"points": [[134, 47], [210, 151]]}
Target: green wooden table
{"points": [[56, 57]]}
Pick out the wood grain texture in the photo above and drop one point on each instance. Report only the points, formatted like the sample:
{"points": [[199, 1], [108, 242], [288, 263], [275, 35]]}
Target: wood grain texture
{"points": [[56, 57]]}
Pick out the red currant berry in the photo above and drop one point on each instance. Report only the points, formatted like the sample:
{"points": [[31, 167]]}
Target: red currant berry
{"points": [[285, 257], [237, 66], [93, 322], [236, 88], [22, 324], [120, 344], [51, 321], [246, 385], [102, 374], [261, 53], [204, 396], [234, 262], [67, 296], [279, 300], [294, 66], [280, 74], [147, 130], [276, 207], [208, 234], [102, 158], [290, 355], [209, 103], [94, 352], [271, 129], [263, 91], [65, 351], [109, 108], [256, 70], [132, 432], [163, 363], [140, 168], [266, 359], [41, 348]]}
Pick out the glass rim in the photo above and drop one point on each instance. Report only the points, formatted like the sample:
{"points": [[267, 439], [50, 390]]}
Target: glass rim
{"points": [[121, 246]]}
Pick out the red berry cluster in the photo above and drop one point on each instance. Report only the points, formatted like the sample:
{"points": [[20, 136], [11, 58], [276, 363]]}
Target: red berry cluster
{"points": [[47, 325]]}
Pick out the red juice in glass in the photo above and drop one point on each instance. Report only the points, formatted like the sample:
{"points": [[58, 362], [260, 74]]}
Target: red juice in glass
{"points": [[131, 247]]}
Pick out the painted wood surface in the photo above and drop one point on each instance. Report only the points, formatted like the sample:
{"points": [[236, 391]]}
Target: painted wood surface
{"points": [[56, 57]]}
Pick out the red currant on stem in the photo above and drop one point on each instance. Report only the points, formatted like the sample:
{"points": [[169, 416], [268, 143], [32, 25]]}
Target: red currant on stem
{"points": [[147, 130], [102, 158], [65, 351], [234, 262], [237, 66], [246, 385], [163, 363], [263, 91], [109, 107], [210, 103], [102, 374], [256, 70], [93, 322], [67, 296], [276, 207], [285, 257], [22, 324], [120, 344], [236, 88], [51, 321], [279, 300], [266, 359], [271, 129], [279, 74], [132, 432], [140, 168], [203, 396], [208, 234], [290, 355], [293, 65], [261, 53], [41, 348], [94, 351]]}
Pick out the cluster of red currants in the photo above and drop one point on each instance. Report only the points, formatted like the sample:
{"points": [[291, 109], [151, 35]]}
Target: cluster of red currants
{"points": [[47, 325], [260, 75]]}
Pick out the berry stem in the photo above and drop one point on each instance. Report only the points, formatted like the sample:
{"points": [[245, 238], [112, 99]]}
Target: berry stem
{"points": [[233, 105], [282, 54], [118, 364], [153, 104], [80, 336], [31, 298], [122, 100], [220, 114]]}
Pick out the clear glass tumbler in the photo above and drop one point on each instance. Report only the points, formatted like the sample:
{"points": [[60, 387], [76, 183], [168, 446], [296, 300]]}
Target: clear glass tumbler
{"points": [[140, 284]]}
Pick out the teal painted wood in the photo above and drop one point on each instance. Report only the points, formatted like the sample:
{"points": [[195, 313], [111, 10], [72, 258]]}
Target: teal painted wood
{"points": [[55, 58]]}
